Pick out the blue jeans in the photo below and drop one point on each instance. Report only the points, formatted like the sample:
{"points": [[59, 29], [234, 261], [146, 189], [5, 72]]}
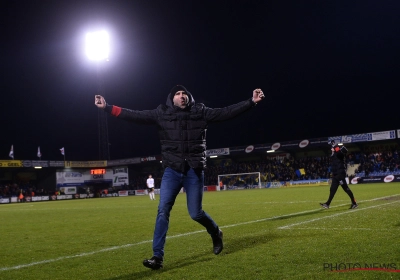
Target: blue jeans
{"points": [[171, 184]]}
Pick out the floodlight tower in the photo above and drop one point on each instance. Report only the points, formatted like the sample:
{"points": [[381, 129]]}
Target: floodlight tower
{"points": [[97, 49]]}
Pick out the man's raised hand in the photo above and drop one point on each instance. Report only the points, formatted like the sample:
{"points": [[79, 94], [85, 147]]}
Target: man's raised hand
{"points": [[99, 101], [258, 95]]}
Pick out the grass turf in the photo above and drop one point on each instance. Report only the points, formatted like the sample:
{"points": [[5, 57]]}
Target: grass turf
{"points": [[268, 233]]}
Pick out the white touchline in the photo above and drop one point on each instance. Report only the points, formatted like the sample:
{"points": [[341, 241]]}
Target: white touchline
{"points": [[195, 232], [329, 228], [73, 256], [334, 215]]}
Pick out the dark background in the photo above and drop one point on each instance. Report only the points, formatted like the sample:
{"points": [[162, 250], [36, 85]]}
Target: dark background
{"points": [[328, 68]]}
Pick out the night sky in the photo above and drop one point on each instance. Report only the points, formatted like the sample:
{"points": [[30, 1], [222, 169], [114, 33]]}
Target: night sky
{"points": [[327, 68]]}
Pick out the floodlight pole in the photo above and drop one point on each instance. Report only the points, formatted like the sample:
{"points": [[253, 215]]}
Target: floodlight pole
{"points": [[102, 125], [97, 49]]}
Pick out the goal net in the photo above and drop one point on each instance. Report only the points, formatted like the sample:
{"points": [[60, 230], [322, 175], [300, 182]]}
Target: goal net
{"points": [[239, 181]]}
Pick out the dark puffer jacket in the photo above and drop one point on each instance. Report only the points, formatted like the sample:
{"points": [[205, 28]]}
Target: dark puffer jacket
{"points": [[182, 132], [338, 163]]}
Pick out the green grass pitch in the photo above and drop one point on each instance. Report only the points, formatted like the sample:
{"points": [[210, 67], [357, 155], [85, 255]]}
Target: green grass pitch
{"points": [[268, 234]]}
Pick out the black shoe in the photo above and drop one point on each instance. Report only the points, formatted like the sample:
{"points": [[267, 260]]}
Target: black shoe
{"points": [[353, 206], [324, 205], [218, 245], [153, 263]]}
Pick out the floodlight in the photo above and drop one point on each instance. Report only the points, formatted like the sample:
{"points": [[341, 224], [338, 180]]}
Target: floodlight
{"points": [[97, 45]]}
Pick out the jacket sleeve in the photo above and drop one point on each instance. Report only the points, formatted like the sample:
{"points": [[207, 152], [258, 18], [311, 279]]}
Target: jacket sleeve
{"points": [[340, 155], [226, 113], [140, 117]]}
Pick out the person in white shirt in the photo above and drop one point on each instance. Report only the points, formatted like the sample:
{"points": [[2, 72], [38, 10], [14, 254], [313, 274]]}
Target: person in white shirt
{"points": [[150, 186]]}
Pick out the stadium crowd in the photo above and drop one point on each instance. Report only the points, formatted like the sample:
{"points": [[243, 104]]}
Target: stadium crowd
{"points": [[372, 159], [378, 162], [287, 169], [276, 169], [370, 162], [15, 189]]}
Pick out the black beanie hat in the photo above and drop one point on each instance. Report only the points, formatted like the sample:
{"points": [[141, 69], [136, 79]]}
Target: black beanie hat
{"points": [[178, 88]]}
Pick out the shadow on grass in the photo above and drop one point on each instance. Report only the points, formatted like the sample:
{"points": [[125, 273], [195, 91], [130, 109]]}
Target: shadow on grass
{"points": [[310, 213], [232, 245], [236, 244], [148, 273]]}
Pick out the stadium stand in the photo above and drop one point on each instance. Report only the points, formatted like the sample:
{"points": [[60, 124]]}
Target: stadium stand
{"points": [[380, 158]]}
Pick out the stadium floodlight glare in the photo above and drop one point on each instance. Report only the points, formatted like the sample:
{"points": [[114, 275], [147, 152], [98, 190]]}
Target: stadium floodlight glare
{"points": [[97, 45]]}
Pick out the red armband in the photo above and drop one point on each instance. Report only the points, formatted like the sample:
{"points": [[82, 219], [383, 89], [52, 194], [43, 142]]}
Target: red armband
{"points": [[116, 111]]}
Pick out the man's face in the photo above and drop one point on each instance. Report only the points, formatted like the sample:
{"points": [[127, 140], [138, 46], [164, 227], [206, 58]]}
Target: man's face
{"points": [[181, 99]]}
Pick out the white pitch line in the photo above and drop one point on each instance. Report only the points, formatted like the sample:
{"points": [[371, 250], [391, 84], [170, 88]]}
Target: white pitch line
{"points": [[334, 215], [179, 235], [325, 228], [93, 252]]}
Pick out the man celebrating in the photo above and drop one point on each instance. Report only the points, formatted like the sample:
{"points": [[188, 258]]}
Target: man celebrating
{"points": [[150, 187], [182, 126]]}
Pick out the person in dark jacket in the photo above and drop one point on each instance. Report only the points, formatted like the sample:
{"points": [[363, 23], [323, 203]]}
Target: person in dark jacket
{"points": [[338, 168], [182, 126]]}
